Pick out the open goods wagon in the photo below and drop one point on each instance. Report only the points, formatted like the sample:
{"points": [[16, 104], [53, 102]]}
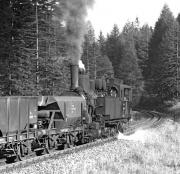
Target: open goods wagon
{"points": [[18, 121], [27, 125], [17, 115]]}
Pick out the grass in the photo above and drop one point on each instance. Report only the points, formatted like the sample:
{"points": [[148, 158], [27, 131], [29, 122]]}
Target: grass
{"points": [[153, 151]]}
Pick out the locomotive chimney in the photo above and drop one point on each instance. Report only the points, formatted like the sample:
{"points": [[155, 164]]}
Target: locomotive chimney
{"points": [[74, 76]]}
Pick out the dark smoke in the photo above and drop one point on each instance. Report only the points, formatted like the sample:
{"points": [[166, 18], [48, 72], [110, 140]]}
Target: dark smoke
{"points": [[74, 14]]}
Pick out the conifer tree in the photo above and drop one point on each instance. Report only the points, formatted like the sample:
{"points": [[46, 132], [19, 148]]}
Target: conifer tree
{"points": [[129, 70], [113, 49], [178, 54], [89, 54], [102, 43], [5, 46], [142, 47], [162, 57], [104, 67], [32, 43]]}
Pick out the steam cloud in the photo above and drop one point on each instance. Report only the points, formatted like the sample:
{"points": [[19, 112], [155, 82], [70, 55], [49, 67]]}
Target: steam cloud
{"points": [[74, 13], [81, 65]]}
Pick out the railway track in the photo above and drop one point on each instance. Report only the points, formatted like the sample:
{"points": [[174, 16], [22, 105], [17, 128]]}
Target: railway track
{"points": [[19, 164], [153, 120]]}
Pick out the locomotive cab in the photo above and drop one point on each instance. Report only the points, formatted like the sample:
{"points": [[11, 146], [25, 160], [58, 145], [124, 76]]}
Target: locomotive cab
{"points": [[126, 98], [126, 92], [116, 104]]}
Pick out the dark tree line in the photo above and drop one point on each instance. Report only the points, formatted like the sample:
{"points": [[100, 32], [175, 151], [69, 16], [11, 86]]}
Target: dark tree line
{"points": [[32, 47], [121, 55], [96, 62], [33, 52], [162, 65], [146, 58]]}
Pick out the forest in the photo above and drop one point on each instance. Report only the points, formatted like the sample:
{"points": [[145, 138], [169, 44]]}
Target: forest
{"points": [[35, 43]]}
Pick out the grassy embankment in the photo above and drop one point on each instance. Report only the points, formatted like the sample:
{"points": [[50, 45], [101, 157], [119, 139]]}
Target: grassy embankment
{"points": [[150, 151]]}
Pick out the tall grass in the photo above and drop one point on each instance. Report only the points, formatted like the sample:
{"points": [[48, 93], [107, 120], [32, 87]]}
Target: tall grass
{"points": [[150, 151]]}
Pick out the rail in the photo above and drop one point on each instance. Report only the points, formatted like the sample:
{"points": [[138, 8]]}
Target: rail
{"points": [[154, 119]]}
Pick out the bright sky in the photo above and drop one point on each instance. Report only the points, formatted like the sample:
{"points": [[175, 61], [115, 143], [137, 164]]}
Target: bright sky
{"points": [[106, 13]]}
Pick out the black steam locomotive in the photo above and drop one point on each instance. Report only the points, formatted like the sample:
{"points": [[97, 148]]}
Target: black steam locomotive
{"points": [[91, 109]]}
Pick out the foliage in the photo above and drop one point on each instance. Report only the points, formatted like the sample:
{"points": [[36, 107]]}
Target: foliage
{"points": [[5, 46], [32, 41], [129, 69], [104, 67], [89, 54], [96, 62], [162, 57], [113, 50], [34, 51], [102, 43], [143, 36]]}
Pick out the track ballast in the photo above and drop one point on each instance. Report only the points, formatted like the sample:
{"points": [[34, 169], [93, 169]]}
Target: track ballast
{"points": [[154, 119]]}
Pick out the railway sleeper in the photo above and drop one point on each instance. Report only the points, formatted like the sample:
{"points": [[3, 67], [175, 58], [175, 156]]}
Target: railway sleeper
{"points": [[11, 155], [88, 138], [39, 151], [60, 146], [11, 158], [117, 125]]}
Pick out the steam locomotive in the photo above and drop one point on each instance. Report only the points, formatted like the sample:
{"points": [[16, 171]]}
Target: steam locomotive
{"points": [[91, 109]]}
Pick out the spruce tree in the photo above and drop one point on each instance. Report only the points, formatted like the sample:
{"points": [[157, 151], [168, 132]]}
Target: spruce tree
{"points": [[142, 47], [162, 65], [104, 67], [33, 44], [5, 46], [178, 54], [129, 70], [89, 54], [113, 49], [102, 43]]}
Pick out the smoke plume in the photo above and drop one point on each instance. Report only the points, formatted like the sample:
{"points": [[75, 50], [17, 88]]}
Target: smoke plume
{"points": [[74, 14], [81, 65]]}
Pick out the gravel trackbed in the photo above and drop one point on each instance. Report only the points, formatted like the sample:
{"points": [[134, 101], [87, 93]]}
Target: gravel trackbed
{"points": [[157, 153]]}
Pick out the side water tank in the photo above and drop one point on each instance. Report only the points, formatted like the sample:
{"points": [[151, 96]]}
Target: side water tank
{"points": [[84, 82], [103, 84], [92, 85], [98, 84]]}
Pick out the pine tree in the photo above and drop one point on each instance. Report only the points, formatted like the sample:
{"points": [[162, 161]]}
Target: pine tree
{"points": [[14, 43], [89, 54], [33, 41], [5, 46], [129, 70], [162, 57], [142, 47], [102, 43], [113, 49], [178, 54], [104, 67], [24, 48]]}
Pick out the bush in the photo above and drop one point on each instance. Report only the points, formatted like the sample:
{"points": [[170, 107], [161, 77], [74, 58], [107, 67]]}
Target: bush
{"points": [[150, 103]]}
